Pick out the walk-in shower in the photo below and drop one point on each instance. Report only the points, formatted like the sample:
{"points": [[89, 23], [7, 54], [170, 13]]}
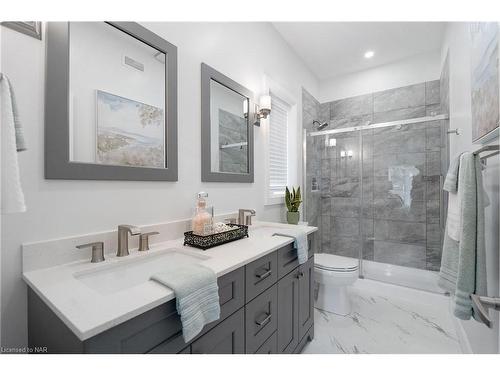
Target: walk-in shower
{"points": [[373, 181]]}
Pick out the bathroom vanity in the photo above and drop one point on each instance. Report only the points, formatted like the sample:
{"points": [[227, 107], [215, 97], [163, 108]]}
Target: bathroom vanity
{"points": [[266, 301]]}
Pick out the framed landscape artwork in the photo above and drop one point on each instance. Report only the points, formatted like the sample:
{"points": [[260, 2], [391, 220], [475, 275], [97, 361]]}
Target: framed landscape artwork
{"points": [[129, 133], [484, 81]]}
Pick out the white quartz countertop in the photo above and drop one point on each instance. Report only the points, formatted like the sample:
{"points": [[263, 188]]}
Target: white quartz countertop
{"points": [[88, 312]]}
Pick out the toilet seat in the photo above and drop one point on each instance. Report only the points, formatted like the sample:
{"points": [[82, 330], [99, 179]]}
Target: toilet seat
{"points": [[335, 263]]}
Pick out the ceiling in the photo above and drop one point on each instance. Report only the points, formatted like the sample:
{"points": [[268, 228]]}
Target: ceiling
{"points": [[334, 48]]}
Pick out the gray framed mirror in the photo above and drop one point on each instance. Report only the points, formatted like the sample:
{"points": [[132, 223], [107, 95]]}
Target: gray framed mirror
{"points": [[226, 129], [111, 103]]}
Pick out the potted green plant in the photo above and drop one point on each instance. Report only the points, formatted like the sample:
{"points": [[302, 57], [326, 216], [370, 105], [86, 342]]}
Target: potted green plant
{"points": [[293, 201]]}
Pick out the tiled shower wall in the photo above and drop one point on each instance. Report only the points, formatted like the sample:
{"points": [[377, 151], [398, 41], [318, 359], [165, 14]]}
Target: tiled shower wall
{"points": [[378, 221]]}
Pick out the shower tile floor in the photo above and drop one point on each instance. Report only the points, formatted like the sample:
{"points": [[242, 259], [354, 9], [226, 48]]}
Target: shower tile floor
{"points": [[386, 319]]}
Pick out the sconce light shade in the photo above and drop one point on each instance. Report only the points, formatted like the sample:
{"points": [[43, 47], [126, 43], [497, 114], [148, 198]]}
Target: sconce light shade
{"points": [[263, 109], [342, 154], [332, 142], [350, 153], [265, 102], [245, 108]]}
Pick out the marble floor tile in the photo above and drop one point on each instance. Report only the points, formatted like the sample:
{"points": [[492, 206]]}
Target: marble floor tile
{"points": [[386, 319]]}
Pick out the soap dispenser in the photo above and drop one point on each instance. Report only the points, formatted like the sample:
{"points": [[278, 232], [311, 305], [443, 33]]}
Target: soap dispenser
{"points": [[202, 223]]}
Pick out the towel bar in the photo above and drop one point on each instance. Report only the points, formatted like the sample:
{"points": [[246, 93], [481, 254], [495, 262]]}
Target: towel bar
{"points": [[481, 304]]}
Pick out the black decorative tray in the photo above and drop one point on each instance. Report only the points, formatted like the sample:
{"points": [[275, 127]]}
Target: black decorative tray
{"points": [[216, 239]]}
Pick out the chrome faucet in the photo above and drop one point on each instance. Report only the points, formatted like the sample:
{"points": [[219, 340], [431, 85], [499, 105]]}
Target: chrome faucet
{"points": [[243, 219], [123, 231]]}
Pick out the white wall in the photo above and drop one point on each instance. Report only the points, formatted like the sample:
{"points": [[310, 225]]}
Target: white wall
{"points": [[246, 52], [416, 69], [457, 42]]}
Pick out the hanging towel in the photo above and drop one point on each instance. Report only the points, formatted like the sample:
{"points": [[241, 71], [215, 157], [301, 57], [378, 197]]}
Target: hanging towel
{"points": [[12, 141], [197, 295], [463, 266], [453, 223], [300, 242], [453, 220], [451, 182]]}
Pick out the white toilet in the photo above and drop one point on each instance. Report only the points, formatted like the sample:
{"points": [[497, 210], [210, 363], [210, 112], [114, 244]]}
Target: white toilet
{"points": [[334, 273]]}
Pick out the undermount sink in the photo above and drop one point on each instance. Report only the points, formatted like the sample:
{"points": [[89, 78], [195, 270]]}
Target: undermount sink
{"points": [[127, 273]]}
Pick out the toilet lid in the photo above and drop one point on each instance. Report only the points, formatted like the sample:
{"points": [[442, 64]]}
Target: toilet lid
{"points": [[335, 262]]}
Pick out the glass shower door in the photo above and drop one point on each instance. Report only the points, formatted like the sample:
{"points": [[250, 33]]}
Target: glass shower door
{"points": [[403, 204], [342, 194]]}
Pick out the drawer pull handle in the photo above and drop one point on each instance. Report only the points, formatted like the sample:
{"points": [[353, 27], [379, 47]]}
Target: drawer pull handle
{"points": [[264, 275], [300, 275], [264, 321]]}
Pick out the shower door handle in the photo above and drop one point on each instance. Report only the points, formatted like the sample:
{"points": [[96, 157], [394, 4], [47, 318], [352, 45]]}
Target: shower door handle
{"points": [[481, 304]]}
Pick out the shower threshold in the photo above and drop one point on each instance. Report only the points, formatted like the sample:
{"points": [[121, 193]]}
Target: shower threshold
{"points": [[404, 276]]}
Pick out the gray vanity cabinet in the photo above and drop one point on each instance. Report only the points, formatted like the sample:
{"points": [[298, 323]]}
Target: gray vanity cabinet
{"points": [[227, 338], [266, 307], [270, 346], [295, 307]]}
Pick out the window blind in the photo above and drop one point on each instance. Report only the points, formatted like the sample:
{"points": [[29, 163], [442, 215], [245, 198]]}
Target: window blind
{"points": [[278, 146]]}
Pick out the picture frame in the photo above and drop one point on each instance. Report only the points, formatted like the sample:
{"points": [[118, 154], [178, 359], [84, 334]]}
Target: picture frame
{"points": [[30, 28], [485, 92]]}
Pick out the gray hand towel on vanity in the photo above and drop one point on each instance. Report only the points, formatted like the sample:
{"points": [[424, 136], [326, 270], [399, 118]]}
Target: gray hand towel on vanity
{"points": [[197, 295], [463, 266]]}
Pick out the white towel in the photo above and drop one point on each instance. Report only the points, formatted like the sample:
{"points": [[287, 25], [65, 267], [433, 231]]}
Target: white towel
{"points": [[300, 242], [12, 192]]}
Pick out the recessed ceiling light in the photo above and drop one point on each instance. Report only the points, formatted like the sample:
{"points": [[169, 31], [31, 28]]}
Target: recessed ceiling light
{"points": [[369, 54]]}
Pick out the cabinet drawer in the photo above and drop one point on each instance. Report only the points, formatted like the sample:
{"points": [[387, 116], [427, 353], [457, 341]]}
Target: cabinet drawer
{"points": [[288, 259], [261, 318], [260, 275], [227, 338], [270, 346]]}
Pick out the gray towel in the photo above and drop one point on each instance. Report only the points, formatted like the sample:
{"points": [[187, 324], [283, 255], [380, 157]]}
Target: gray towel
{"points": [[197, 295], [20, 144], [300, 242], [463, 265], [451, 182]]}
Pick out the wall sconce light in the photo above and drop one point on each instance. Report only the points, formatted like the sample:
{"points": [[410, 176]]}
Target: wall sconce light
{"points": [[245, 108], [332, 142], [342, 154], [350, 154], [263, 109]]}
